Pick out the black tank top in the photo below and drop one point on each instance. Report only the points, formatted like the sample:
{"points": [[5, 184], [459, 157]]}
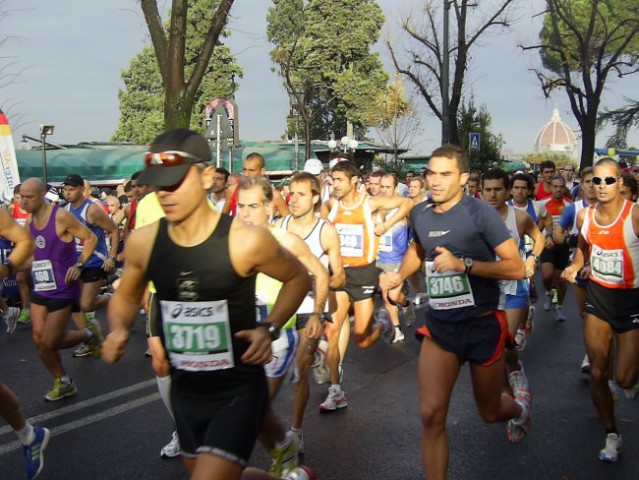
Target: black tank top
{"points": [[204, 273]]}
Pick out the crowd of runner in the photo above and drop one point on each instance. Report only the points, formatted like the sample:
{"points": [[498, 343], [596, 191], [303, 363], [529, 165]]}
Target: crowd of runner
{"points": [[244, 284]]}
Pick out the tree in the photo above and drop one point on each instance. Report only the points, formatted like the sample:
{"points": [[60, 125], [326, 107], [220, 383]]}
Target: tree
{"points": [[478, 120], [322, 52], [582, 42], [142, 100], [181, 84], [425, 51], [623, 119], [560, 159], [395, 120]]}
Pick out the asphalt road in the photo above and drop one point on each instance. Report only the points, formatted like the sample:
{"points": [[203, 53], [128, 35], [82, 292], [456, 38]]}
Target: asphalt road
{"points": [[116, 425]]}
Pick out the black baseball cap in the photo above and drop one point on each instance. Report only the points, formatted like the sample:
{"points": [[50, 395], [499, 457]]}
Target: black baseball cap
{"points": [[74, 180], [193, 147]]}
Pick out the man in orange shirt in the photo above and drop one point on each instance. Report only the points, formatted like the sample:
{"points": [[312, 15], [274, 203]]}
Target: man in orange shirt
{"points": [[608, 232]]}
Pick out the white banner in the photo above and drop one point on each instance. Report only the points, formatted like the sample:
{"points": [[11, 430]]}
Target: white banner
{"points": [[8, 163]]}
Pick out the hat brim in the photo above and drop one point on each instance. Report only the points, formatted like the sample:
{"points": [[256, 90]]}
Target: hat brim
{"points": [[162, 176]]}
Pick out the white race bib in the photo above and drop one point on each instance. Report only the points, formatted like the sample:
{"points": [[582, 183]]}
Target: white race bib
{"points": [[448, 290], [43, 277], [351, 239], [197, 335]]}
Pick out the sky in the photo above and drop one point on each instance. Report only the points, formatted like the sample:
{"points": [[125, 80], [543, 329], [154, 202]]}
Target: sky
{"points": [[70, 54]]}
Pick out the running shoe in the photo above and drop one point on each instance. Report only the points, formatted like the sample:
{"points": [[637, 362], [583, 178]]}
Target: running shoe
{"points": [[518, 428], [399, 335], [171, 449], [613, 390], [61, 390], [585, 365], [518, 381], [11, 319], [34, 452], [382, 317], [25, 316], [520, 339], [300, 440], [95, 342], [560, 314], [530, 321], [611, 451], [548, 301], [82, 351], [336, 399], [408, 312], [320, 369], [300, 473], [631, 393], [284, 456]]}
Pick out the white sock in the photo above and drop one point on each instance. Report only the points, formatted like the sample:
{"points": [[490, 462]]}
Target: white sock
{"points": [[164, 386], [26, 434], [337, 388]]}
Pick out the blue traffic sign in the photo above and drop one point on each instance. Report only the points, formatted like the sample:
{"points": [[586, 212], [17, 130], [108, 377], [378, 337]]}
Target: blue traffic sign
{"points": [[475, 142]]}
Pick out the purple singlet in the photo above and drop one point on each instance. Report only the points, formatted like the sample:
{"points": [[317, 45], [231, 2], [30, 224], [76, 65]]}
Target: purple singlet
{"points": [[52, 258]]}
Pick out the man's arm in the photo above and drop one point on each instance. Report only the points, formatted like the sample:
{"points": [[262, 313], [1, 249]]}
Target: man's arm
{"points": [[412, 261], [326, 207], [530, 229], [581, 252], [23, 243], [508, 267], [229, 197], [403, 206], [280, 204], [73, 227], [330, 243], [123, 307], [300, 249], [258, 251], [97, 216]]}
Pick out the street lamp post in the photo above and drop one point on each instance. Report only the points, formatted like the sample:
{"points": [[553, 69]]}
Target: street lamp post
{"points": [[445, 78], [44, 131]]}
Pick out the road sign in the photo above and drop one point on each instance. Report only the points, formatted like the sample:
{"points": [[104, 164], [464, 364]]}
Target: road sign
{"points": [[474, 142]]}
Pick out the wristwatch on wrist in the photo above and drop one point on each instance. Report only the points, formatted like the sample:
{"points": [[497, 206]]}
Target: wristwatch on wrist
{"points": [[468, 264], [272, 328], [80, 265], [112, 257]]}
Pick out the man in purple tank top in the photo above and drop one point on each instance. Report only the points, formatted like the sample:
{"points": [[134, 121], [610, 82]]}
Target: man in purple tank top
{"points": [[55, 270]]}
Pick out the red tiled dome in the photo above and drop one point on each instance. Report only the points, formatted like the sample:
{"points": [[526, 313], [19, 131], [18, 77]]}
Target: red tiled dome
{"points": [[556, 135]]}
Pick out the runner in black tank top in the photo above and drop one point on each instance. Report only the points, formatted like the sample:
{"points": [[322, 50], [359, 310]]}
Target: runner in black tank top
{"points": [[203, 265]]}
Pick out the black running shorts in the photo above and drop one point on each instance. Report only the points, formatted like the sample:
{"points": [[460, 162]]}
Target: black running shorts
{"points": [[225, 425], [361, 282], [479, 340], [618, 307]]}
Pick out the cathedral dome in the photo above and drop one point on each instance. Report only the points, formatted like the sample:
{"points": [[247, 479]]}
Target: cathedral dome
{"points": [[556, 136]]}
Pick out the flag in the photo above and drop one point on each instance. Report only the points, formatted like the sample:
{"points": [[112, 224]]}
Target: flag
{"points": [[8, 163]]}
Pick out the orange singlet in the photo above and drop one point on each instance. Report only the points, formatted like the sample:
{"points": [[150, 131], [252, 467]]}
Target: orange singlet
{"points": [[614, 252], [357, 239]]}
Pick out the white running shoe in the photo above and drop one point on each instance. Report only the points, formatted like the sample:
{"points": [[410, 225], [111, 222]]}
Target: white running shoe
{"points": [[319, 367], [300, 473], [520, 339], [171, 449], [613, 390], [548, 302], [611, 451], [518, 428], [11, 319], [518, 381], [530, 321], [336, 399], [399, 335]]}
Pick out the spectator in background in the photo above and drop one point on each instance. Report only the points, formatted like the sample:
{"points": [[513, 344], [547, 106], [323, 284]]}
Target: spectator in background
{"points": [[629, 187], [572, 183]]}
